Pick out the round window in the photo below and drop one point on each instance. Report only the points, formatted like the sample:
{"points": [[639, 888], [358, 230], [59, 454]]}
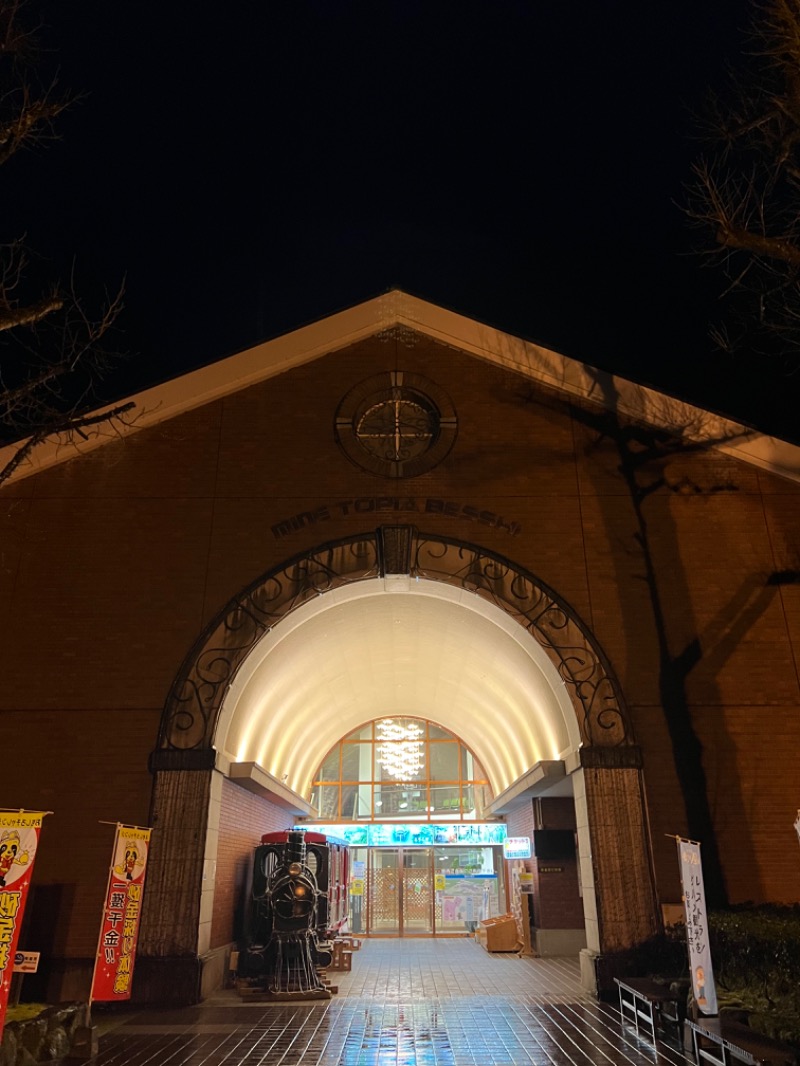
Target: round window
{"points": [[396, 424]]}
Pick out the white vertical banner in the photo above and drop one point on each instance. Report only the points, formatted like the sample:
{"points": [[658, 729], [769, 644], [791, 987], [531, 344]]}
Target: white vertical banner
{"points": [[694, 902]]}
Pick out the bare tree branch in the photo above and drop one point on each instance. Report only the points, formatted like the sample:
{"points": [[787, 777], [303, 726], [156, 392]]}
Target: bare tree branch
{"points": [[67, 428], [52, 342], [27, 119], [745, 194]]}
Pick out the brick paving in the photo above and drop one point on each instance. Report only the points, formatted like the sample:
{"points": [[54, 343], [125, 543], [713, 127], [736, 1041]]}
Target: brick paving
{"points": [[405, 1003]]}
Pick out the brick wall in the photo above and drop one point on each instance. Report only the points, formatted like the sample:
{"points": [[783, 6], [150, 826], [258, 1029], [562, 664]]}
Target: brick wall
{"points": [[520, 823], [244, 818], [556, 900], [87, 768], [112, 564], [555, 812]]}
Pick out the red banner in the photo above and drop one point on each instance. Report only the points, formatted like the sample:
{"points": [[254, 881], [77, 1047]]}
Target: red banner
{"points": [[116, 947], [19, 839]]}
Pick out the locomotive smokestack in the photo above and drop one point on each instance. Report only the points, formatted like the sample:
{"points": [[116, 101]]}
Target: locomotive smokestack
{"points": [[296, 847]]}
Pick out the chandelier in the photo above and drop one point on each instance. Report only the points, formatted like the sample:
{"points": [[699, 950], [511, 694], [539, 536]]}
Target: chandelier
{"points": [[399, 749]]}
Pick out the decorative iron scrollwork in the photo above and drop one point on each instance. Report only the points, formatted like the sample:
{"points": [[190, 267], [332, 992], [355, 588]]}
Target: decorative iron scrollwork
{"points": [[195, 700], [553, 624], [192, 708]]}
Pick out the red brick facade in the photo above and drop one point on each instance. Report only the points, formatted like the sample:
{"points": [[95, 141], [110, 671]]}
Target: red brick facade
{"points": [[113, 563], [244, 818], [557, 902]]}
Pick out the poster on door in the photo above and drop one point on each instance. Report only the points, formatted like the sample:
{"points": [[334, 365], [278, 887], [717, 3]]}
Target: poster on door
{"points": [[468, 899], [19, 840]]}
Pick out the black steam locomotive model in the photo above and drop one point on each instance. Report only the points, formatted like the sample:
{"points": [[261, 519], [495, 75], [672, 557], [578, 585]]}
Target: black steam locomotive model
{"points": [[299, 902]]}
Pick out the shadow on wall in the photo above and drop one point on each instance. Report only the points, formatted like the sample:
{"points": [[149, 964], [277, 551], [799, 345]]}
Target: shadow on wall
{"points": [[48, 916], [665, 652]]}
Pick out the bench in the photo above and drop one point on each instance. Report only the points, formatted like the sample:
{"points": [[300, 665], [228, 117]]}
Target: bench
{"points": [[718, 1041], [646, 1003]]}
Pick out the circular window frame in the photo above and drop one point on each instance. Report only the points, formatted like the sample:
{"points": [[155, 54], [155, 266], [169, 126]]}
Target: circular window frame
{"points": [[393, 386]]}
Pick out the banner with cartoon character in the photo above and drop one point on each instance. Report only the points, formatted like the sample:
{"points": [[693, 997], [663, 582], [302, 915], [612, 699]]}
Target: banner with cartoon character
{"points": [[694, 902], [116, 947], [19, 839]]}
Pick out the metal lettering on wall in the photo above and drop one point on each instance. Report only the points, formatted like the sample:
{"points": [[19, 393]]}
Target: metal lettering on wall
{"points": [[394, 505]]}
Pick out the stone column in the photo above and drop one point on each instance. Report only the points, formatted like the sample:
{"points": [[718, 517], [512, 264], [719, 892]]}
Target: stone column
{"points": [[177, 910], [620, 903]]}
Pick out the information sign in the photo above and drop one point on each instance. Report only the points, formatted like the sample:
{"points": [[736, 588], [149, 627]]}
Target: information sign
{"points": [[517, 847], [26, 961]]}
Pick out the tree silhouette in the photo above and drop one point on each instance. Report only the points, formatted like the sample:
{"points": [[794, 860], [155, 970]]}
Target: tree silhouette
{"points": [[52, 350]]}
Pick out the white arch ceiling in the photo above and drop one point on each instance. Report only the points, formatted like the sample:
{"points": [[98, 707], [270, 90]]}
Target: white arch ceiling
{"points": [[396, 646]]}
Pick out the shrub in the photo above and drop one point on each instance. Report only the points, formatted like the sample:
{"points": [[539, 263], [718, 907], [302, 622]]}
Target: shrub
{"points": [[756, 955], [755, 952]]}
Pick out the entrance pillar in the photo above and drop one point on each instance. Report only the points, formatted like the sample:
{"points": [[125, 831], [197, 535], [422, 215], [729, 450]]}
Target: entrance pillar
{"points": [[620, 903], [179, 889]]}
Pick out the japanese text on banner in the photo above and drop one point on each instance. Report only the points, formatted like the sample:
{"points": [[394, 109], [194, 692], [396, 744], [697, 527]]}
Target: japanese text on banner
{"points": [[19, 839], [694, 901], [116, 949]]}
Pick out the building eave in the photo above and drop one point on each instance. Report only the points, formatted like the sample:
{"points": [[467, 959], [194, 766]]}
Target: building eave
{"points": [[562, 375]]}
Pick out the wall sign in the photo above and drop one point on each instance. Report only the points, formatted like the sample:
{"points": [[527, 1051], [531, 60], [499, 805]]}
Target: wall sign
{"points": [[26, 961], [405, 505], [416, 834], [517, 848]]}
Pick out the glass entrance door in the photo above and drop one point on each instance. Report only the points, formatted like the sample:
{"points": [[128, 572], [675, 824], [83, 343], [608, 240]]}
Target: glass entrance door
{"points": [[429, 891], [417, 897], [384, 892], [400, 892]]}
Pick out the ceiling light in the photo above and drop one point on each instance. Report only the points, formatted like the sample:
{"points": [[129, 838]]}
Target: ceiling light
{"points": [[399, 752]]}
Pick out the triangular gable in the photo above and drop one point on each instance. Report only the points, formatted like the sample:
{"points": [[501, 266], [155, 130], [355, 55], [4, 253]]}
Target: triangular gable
{"points": [[563, 375]]}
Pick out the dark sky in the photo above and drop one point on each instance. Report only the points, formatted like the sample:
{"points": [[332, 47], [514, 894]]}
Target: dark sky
{"points": [[256, 165]]}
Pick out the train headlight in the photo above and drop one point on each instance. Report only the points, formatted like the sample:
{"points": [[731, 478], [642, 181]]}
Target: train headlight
{"points": [[295, 869]]}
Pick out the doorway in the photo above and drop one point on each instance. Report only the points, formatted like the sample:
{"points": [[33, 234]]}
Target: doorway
{"points": [[428, 891], [400, 892]]}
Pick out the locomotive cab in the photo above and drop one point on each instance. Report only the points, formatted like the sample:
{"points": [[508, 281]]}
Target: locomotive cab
{"points": [[298, 904]]}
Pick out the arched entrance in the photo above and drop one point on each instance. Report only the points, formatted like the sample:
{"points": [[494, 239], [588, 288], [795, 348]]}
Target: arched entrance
{"points": [[555, 703]]}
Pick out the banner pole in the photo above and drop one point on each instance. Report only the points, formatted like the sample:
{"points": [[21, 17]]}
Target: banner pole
{"points": [[701, 972], [103, 915], [20, 830], [119, 930]]}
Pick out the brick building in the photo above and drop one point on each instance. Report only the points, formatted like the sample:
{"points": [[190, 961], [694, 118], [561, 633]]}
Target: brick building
{"points": [[400, 511]]}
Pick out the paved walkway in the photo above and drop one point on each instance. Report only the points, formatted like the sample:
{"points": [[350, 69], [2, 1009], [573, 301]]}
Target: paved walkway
{"points": [[405, 1003]]}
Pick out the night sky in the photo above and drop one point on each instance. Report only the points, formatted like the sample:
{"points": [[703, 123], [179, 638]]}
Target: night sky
{"points": [[253, 166]]}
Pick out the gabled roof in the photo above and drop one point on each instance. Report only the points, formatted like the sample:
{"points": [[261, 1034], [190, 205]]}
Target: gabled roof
{"points": [[566, 376]]}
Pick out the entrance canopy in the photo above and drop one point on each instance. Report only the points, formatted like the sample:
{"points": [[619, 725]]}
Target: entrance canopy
{"points": [[396, 646]]}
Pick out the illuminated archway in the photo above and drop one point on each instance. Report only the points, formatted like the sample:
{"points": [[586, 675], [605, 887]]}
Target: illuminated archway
{"points": [[433, 590], [450, 631], [388, 647]]}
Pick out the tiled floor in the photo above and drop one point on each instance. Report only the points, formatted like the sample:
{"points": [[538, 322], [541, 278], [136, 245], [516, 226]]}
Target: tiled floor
{"points": [[405, 1003]]}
